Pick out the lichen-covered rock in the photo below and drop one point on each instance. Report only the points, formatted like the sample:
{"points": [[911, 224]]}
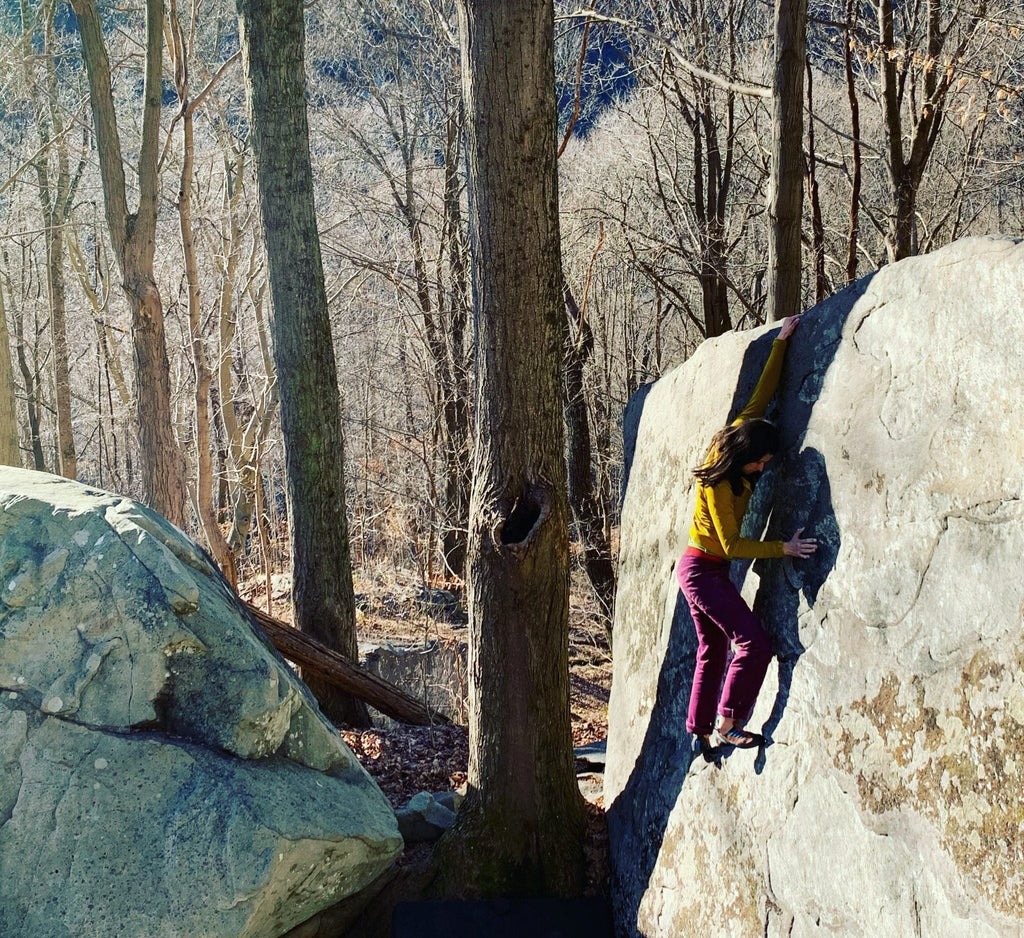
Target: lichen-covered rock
{"points": [[162, 771], [889, 802]]}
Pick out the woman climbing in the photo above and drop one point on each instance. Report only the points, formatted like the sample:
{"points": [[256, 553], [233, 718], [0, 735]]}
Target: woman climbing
{"points": [[726, 478]]}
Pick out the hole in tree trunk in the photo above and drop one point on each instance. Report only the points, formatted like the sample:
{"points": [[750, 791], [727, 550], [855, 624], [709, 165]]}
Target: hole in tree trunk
{"points": [[521, 522]]}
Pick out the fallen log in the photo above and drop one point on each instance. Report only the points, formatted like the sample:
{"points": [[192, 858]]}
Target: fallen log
{"points": [[329, 666]]}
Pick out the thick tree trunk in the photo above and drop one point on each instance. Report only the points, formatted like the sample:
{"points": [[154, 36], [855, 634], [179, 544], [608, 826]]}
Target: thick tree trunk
{"points": [[785, 209], [272, 33], [520, 829], [134, 239]]}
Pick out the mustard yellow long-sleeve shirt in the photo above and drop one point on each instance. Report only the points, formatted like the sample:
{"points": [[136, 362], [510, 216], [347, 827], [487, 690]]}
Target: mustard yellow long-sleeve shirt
{"points": [[719, 511]]}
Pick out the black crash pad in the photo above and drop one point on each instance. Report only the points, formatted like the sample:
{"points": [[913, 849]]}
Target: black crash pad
{"points": [[503, 918]]}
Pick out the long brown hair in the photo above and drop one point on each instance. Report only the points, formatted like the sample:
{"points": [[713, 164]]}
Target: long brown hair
{"points": [[733, 447]]}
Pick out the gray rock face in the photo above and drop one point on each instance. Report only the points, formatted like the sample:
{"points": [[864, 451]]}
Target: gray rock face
{"points": [[434, 673], [889, 801], [162, 771]]}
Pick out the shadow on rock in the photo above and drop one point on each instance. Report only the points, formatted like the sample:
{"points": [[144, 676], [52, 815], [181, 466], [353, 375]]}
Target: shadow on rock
{"points": [[804, 500], [794, 493], [638, 817]]}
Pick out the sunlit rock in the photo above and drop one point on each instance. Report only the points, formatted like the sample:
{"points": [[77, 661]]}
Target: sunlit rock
{"points": [[162, 770], [889, 802]]}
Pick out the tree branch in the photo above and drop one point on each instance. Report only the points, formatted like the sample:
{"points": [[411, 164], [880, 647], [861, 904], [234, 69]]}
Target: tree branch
{"points": [[721, 81]]}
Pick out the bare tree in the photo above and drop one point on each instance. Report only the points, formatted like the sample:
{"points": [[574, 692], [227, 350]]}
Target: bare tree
{"points": [[586, 508], [821, 287], [272, 50], [785, 211], [56, 197], [705, 193], [520, 829], [856, 171], [26, 336], [133, 235], [920, 64], [10, 454], [113, 459], [179, 46], [408, 132]]}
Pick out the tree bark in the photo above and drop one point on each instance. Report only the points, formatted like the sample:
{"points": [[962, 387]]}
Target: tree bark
{"points": [[597, 553], [853, 232], [55, 200], [204, 493], [520, 829], [817, 224], [133, 236], [10, 452], [30, 377], [457, 418], [272, 33], [785, 208]]}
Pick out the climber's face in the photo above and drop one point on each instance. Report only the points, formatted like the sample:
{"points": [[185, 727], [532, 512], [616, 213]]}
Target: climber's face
{"points": [[758, 466]]}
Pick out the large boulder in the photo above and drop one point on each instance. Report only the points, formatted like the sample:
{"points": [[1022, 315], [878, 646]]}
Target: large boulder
{"points": [[888, 802], [162, 771]]}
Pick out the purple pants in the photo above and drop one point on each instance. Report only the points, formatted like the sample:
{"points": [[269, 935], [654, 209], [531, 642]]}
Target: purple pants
{"points": [[721, 618]]}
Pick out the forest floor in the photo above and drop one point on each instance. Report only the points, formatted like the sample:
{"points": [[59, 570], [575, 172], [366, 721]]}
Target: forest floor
{"points": [[405, 760]]}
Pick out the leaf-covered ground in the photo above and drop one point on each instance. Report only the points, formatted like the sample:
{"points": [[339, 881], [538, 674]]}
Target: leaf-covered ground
{"points": [[405, 760]]}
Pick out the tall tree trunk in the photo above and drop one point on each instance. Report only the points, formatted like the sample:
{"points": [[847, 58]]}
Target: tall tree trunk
{"points": [[30, 378], [520, 829], [272, 33], [205, 494], [853, 233], [134, 239], [597, 554], [457, 419], [785, 209], [817, 224], [55, 200], [67, 457], [10, 452]]}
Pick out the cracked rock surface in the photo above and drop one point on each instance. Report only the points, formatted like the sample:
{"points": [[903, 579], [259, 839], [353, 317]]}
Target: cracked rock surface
{"points": [[162, 770], [888, 801]]}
